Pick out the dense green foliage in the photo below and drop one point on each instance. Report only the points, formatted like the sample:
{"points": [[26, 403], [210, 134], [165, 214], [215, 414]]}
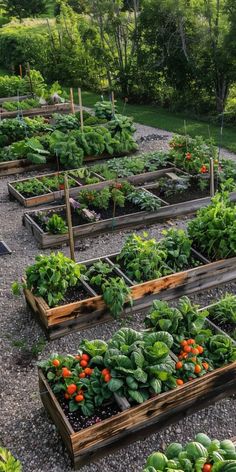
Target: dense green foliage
{"points": [[213, 229], [201, 454], [179, 55]]}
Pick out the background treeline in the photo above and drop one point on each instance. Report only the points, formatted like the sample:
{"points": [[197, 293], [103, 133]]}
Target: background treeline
{"points": [[180, 54]]}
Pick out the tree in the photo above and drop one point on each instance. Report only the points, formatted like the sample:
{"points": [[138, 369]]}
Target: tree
{"points": [[24, 8]]}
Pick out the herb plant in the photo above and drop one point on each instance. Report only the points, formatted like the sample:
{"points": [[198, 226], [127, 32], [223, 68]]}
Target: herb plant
{"points": [[103, 109], [8, 463]]}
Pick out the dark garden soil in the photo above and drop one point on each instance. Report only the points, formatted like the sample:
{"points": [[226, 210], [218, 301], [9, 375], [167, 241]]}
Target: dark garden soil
{"points": [[192, 193], [75, 294], [79, 421], [77, 220]]}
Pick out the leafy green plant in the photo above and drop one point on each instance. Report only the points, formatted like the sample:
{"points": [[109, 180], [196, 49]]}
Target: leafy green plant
{"points": [[65, 123], [170, 187], [98, 273], [140, 364], [26, 104], [182, 322], [225, 309], [103, 109], [177, 245], [8, 463], [30, 188], [16, 129], [65, 147], [116, 293], [50, 277], [144, 200], [31, 149], [213, 231], [56, 225], [143, 259], [200, 455], [221, 350]]}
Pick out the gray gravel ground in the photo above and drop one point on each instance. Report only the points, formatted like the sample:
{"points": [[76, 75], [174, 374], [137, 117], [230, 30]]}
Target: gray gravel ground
{"points": [[25, 428]]}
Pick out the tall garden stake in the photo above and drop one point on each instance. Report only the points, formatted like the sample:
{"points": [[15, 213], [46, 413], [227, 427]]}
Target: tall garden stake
{"points": [[212, 184], [72, 106], [69, 219], [113, 103], [81, 110]]}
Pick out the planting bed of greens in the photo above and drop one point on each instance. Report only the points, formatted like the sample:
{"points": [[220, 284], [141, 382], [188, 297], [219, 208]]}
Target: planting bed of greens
{"points": [[201, 455]]}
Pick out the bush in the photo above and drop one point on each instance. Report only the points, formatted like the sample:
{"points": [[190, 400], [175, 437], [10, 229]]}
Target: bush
{"points": [[10, 85], [22, 45]]}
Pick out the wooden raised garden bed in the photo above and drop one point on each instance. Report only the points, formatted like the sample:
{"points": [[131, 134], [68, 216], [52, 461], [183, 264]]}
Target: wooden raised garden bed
{"points": [[19, 98], [52, 196], [44, 110], [19, 166], [137, 422], [89, 312], [136, 219]]}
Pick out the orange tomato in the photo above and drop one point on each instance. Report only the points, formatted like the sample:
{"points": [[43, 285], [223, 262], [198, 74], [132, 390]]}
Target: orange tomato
{"points": [[107, 378], [178, 365], [179, 382], [200, 349], [56, 362], [79, 398], [83, 363], [82, 375], [197, 369], [88, 371], [195, 351], [205, 365], [85, 357], [183, 343], [71, 389], [105, 372], [66, 372], [191, 341], [187, 348]]}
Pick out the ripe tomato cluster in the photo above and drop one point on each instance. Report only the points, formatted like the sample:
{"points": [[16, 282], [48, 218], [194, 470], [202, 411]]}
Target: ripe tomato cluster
{"points": [[72, 378], [106, 375], [190, 364]]}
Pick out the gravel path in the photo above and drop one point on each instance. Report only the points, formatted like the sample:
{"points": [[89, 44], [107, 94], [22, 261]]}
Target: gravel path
{"points": [[25, 428]]}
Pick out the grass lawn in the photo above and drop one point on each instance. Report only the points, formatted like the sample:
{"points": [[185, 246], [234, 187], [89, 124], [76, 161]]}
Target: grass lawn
{"points": [[160, 118]]}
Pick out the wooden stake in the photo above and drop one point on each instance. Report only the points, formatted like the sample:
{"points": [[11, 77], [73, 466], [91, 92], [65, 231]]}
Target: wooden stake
{"points": [[81, 110], [212, 184], [113, 103], [72, 101], [69, 219], [20, 70]]}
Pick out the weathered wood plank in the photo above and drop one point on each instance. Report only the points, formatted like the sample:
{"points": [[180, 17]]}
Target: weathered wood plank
{"points": [[45, 110]]}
